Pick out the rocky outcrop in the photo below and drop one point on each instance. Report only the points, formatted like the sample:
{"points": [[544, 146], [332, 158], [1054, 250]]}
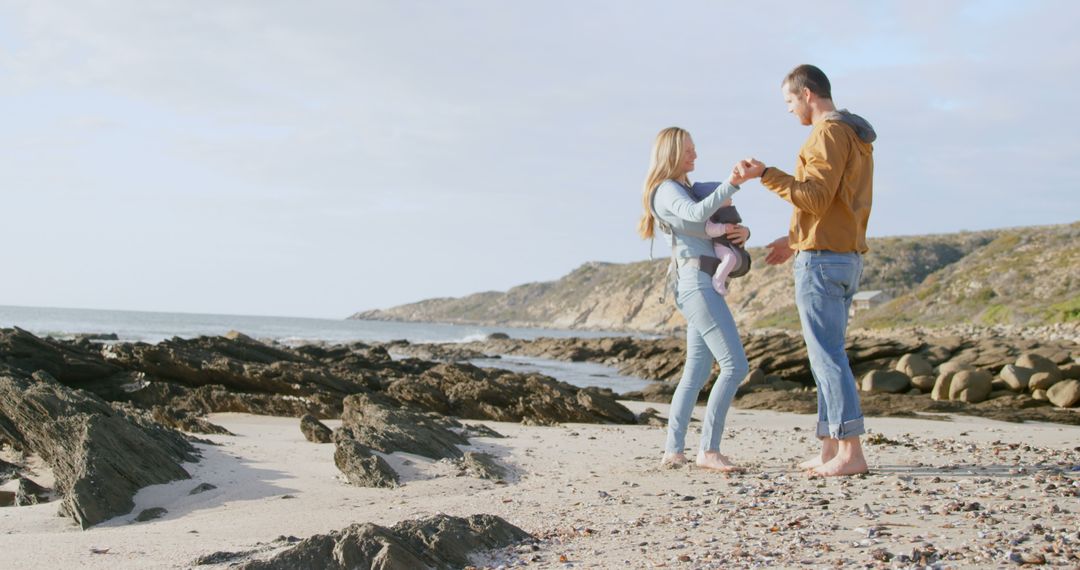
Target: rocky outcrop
{"points": [[360, 466], [469, 392], [99, 455], [72, 364], [377, 424], [439, 542]]}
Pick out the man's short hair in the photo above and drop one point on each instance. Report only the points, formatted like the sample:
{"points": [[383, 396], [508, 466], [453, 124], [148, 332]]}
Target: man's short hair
{"points": [[810, 77]]}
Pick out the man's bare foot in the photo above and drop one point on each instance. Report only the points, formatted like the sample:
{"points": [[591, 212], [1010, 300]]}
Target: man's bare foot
{"points": [[849, 460], [673, 460], [828, 451], [715, 461]]}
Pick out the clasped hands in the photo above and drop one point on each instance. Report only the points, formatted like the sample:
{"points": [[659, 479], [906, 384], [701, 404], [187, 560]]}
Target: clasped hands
{"points": [[746, 169]]}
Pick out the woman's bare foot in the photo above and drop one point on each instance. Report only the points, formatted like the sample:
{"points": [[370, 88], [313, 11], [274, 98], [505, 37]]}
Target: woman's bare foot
{"points": [[673, 460], [715, 461], [849, 460], [828, 451]]}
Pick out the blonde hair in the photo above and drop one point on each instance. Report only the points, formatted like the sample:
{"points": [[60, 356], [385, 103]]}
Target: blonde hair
{"points": [[663, 165]]}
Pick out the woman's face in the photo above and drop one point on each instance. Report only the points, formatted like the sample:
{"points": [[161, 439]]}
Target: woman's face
{"points": [[689, 155]]}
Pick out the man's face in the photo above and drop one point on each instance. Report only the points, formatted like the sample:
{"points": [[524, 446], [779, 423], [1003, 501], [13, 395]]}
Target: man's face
{"points": [[689, 155], [797, 104]]}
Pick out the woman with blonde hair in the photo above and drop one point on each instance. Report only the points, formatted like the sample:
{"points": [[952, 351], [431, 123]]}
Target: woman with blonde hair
{"points": [[710, 327]]}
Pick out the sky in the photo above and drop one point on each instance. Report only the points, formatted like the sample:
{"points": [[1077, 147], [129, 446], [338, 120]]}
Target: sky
{"points": [[321, 158]]}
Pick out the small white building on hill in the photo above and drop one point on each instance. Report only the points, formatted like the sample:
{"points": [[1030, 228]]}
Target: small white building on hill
{"points": [[866, 300]]}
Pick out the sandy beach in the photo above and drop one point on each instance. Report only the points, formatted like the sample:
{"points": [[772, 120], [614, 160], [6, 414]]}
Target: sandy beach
{"points": [[974, 492]]}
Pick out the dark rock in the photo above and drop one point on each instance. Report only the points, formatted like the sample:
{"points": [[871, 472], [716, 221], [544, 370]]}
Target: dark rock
{"points": [[660, 392], [185, 420], [469, 392], [239, 364], [68, 363], [220, 558], [1070, 371], [96, 336], [314, 430], [891, 381], [439, 542], [30, 493], [380, 426], [1065, 394], [498, 336], [481, 430], [202, 488], [362, 467], [483, 465], [99, 455], [151, 514], [8, 471], [7, 498], [651, 417]]}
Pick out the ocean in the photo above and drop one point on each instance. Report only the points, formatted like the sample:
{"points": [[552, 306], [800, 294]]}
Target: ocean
{"points": [[153, 327]]}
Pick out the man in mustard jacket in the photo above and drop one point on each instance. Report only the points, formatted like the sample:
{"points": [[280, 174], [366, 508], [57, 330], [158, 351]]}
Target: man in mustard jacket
{"points": [[831, 191]]}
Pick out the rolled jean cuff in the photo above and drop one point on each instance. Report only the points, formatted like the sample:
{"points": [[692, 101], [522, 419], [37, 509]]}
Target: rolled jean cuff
{"points": [[845, 430]]}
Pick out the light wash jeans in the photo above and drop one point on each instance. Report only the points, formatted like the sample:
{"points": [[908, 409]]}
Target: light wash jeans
{"points": [[710, 334], [825, 283]]}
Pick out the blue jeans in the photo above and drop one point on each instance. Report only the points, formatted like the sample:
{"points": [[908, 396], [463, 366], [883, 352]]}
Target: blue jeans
{"points": [[710, 334], [825, 283]]}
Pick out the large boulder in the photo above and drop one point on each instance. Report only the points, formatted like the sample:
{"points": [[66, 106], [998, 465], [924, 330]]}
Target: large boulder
{"points": [[440, 542], [1065, 394], [1016, 377], [971, 386], [946, 372], [889, 381], [1042, 381], [1039, 363], [914, 365], [923, 383], [100, 456]]}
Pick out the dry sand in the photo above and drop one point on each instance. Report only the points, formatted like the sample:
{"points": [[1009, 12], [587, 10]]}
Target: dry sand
{"points": [[977, 491]]}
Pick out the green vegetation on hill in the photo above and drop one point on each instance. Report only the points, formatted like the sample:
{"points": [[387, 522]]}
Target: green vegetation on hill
{"points": [[1026, 276]]}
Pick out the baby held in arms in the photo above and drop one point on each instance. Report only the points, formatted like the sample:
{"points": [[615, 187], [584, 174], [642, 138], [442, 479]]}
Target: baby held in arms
{"points": [[717, 227]]}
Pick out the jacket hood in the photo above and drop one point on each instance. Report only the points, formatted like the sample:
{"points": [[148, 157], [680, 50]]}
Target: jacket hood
{"points": [[860, 125]]}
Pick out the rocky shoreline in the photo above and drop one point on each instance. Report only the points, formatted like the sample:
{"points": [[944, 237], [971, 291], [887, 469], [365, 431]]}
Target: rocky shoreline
{"points": [[109, 419], [978, 371], [90, 426]]}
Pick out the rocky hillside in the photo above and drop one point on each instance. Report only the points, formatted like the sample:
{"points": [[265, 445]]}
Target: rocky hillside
{"points": [[1019, 276]]}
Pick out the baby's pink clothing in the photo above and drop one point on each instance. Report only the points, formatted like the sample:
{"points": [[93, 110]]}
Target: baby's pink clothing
{"points": [[728, 257]]}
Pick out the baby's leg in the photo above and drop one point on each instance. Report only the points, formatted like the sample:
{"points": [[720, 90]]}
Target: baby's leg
{"points": [[713, 229], [728, 260]]}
